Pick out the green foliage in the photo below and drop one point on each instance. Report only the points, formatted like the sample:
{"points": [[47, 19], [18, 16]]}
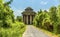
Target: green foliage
{"points": [[41, 17], [9, 2], [38, 18], [16, 30], [19, 18], [48, 20], [53, 14], [6, 14], [54, 18], [9, 27]]}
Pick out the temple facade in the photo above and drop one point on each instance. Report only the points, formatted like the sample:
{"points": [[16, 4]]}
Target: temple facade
{"points": [[28, 15]]}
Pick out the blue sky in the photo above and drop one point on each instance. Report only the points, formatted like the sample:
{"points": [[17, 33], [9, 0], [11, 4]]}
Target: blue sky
{"points": [[19, 5]]}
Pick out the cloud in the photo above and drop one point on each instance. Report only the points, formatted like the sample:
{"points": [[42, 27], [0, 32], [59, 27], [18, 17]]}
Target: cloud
{"points": [[17, 12], [43, 3]]}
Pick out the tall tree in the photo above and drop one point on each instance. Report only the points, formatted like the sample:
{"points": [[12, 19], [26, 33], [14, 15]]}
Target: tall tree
{"points": [[5, 13], [54, 18]]}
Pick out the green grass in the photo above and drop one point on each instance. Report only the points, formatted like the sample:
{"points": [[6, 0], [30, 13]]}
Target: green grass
{"points": [[16, 30]]}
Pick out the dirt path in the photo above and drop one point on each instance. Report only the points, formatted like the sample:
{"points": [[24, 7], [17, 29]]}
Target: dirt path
{"points": [[33, 32]]}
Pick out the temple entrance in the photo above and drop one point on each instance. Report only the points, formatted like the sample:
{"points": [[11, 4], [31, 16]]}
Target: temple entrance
{"points": [[28, 19], [28, 16]]}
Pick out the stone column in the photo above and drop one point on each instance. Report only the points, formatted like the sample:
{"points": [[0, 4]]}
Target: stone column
{"points": [[27, 19], [30, 19]]}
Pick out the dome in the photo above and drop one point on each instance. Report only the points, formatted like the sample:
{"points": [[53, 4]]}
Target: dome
{"points": [[28, 11], [28, 8]]}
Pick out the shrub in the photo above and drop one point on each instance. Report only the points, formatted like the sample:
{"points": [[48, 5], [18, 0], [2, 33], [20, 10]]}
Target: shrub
{"points": [[16, 30]]}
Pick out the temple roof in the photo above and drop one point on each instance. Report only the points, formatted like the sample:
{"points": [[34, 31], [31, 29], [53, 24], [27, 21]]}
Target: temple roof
{"points": [[28, 11], [28, 8]]}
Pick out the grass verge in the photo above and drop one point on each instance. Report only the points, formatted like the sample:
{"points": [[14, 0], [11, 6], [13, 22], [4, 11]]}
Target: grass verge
{"points": [[47, 32]]}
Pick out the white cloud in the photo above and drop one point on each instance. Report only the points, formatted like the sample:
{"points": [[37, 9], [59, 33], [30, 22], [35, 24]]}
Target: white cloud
{"points": [[17, 12], [43, 3]]}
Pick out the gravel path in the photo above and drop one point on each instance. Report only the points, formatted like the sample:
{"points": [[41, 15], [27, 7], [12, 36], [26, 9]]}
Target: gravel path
{"points": [[33, 32]]}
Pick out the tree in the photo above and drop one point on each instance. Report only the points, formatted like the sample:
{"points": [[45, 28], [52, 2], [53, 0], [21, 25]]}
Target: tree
{"points": [[19, 18], [39, 18], [6, 14], [9, 2], [54, 18], [39, 11], [58, 12]]}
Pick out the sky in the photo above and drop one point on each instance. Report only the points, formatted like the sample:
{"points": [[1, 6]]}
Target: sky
{"points": [[18, 6]]}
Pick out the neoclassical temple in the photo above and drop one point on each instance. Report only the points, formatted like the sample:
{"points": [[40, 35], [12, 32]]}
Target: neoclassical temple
{"points": [[28, 15]]}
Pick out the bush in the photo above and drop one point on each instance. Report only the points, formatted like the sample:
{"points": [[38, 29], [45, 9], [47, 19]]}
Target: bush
{"points": [[16, 30], [47, 24], [58, 29]]}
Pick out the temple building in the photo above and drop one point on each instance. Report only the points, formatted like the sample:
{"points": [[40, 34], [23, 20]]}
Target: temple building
{"points": [[28, 15]]}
